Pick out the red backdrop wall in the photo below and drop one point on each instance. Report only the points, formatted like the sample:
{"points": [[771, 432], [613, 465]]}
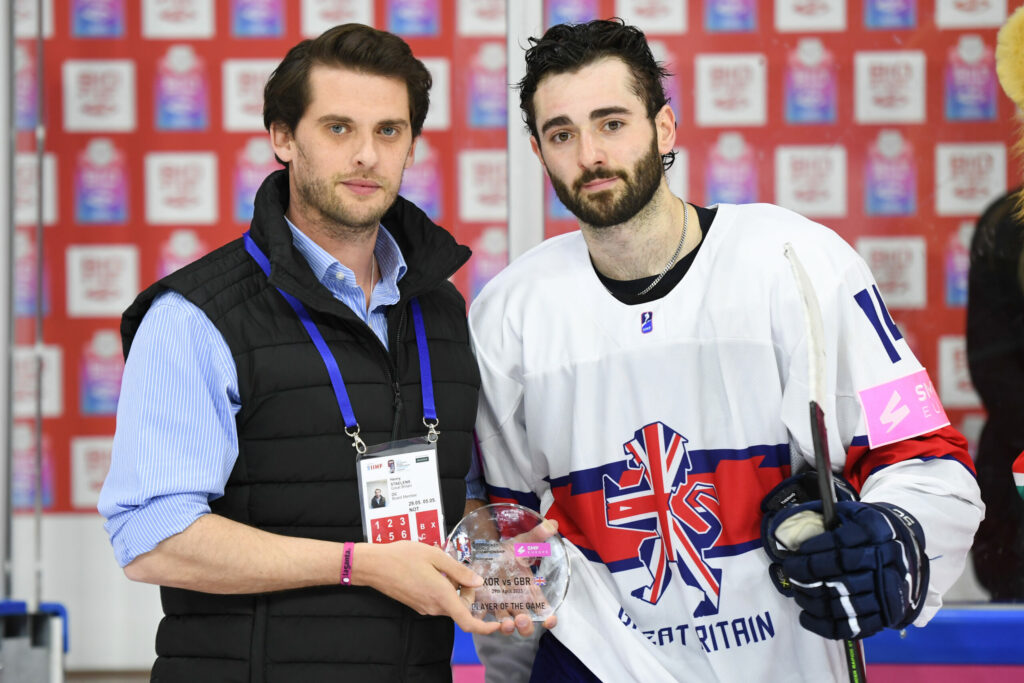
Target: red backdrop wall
{"points": [[880, 118]]}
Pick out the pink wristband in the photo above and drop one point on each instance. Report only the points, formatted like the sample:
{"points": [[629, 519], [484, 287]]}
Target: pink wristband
{"points": [[346, 564]]}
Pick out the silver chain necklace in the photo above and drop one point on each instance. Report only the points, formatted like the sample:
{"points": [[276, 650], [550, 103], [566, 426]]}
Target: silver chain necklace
{"points": [[675, 255]]}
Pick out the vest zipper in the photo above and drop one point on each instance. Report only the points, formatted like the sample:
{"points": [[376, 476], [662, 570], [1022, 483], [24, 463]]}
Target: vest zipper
{"points": [[395, 386], [258, 644], [393, 362]]}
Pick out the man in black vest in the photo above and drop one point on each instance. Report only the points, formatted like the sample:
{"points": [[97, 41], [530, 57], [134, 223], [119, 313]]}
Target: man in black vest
{"points": [[233, 476]]}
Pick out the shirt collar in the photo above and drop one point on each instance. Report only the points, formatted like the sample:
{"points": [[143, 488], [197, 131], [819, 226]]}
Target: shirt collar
{"points": [[389, 258]]}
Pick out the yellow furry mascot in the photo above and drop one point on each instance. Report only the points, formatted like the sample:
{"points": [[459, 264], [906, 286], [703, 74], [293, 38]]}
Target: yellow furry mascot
{"points": [[1010, 57], [1010, 70]]}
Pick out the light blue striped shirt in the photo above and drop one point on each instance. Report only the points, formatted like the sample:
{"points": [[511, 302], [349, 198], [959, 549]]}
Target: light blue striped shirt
{"points": [[176, 443]]}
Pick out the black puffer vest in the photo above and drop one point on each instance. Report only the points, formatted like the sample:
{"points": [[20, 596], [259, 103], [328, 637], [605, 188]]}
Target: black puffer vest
{"points": [[295, 472]]}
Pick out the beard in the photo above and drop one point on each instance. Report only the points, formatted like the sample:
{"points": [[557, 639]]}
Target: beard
{"points": [[321, 201], [603, 209]]}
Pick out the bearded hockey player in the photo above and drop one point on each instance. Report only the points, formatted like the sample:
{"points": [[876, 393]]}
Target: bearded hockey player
{"points": [[645, 384]]}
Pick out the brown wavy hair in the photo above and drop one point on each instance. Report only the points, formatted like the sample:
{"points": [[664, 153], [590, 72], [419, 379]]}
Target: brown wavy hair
{"points": [[354, 46]]}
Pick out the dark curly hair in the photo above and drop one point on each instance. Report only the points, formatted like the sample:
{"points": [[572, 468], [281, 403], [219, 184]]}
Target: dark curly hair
{"points": [[354, 46], [570, 47]]}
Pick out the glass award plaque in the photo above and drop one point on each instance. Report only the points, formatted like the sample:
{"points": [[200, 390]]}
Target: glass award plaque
{"points": [[524, 565]]}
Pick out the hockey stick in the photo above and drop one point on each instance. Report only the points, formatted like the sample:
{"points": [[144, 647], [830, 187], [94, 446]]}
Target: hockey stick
{"points": [[819, 437]]}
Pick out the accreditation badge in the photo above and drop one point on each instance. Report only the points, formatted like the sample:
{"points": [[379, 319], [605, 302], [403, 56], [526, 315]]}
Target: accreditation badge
{"points": [[400, 492]]}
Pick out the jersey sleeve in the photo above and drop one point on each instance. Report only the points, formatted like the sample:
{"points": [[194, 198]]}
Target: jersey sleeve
{"points": [[506, 458], [512, 471], [888, 433]]}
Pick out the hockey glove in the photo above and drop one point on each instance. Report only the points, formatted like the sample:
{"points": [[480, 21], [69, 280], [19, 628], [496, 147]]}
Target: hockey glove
{"points": [[789, 493], [868, 573]]}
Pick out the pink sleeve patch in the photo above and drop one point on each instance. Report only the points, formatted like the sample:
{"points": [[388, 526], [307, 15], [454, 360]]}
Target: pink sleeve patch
{"points": [[902, 409]]}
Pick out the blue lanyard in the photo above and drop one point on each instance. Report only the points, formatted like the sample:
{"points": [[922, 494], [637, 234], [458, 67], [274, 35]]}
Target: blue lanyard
{"points": [[334, 372]]}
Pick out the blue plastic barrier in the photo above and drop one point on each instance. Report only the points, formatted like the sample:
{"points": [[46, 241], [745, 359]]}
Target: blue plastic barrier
{"points": [[20, 607], [981, 635]]}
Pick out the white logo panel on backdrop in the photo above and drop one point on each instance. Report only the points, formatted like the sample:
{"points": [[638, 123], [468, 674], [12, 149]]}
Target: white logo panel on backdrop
{"points": [[968, 177], [811, 179], [27, 17], [320, 15], [99, 95], [483, 192], [177, 19], [654, 16], [244, 80], [889, 86], [181, 187], [102, 280], [26, 199], [439, 114], [24, 381], [733, 90], [90, 461], [900, 267], [955, 387], [797, 16], [970, 13], [480, 17]]}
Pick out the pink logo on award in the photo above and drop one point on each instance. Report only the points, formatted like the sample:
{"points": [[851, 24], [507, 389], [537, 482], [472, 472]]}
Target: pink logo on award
{"points": [[901, 409], [533, 549]]}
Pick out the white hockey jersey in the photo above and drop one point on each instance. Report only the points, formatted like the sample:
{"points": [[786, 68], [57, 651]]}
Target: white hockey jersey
{"points": [[651, 432]]}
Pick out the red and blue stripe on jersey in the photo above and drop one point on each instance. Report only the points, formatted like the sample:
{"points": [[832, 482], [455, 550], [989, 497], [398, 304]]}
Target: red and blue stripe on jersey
{"points": [[690, 507], [669, 509], [944, 444]]}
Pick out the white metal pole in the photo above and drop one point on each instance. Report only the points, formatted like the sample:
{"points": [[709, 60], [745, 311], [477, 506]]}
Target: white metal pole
{"points": [[525, 175], [6, 291], [36, 595]]}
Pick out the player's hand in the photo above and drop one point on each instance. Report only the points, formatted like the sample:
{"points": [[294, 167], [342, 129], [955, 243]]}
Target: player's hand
{"points": [[423, 577], [513, 620], [868, 573], [510, 568]]}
